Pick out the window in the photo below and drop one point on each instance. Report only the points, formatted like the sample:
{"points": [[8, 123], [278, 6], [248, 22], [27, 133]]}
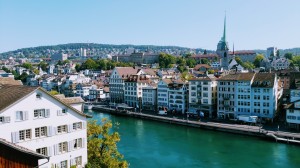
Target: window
{"points": [[41, 113], [78, 160], [25, 134], [42, 151], [4, 119], [40, 132], [21, 115], [62, 129], [38, 96], [78, 143], [77, 125], [63, 164], [63, 147]]}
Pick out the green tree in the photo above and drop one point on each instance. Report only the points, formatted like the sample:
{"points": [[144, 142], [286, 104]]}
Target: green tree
{"points": [[257, 60], [191, 62], [288, 56], [211, 71], [278, 53], [27, 65], [77, 67], [296, 60], [238, 60], [204, 61], [166, 60], [22, 77], [185, 76], [102, 146], [248, 65], [53, 92], [36, 71], [43, 65], [89, 64]]}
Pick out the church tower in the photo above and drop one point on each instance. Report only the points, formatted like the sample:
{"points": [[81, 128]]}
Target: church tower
{"points": [[222, 49]]}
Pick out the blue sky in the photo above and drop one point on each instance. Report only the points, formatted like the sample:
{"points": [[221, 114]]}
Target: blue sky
{"points": [[251, 24]]}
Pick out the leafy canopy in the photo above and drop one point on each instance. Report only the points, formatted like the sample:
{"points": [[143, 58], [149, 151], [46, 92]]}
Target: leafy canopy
{"points": [[102, 146]]}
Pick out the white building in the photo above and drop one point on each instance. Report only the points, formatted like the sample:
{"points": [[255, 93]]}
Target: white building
{"points": [[162, 93], [149, 98], [280, 63], [134, 85], [293, 115], [203, 95], [178, 96], [265, 93], [116, 82], [34, 119]]}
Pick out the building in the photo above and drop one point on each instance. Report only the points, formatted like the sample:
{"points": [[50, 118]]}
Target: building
{"points": [[134, 85], [245, 56], [116, 82], [234, 95], [149, 100], [162, 93], [293, 115], [12, 155], [271, 52], [222, 49], [203, 95], [32, 118], [265, 93], [280, 63], [138, 58], [59, 57], [178, 96]]}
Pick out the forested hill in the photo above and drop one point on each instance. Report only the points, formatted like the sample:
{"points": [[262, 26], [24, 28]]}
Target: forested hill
{"points": [[99, 48]]}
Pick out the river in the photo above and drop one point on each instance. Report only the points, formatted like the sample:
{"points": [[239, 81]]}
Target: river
{"points": [[151, 144]]}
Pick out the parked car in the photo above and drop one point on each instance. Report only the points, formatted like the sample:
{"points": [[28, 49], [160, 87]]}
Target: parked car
{"points": [[162, 112]]}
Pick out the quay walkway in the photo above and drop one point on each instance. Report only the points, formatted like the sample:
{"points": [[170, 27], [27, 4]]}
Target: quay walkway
{"points": [[278, 136]]}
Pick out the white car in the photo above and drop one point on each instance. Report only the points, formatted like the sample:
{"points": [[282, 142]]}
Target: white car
{"points": [[162, 112]]}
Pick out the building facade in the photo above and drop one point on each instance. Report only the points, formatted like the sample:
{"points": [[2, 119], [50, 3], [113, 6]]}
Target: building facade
{"points": [[34, 119]]}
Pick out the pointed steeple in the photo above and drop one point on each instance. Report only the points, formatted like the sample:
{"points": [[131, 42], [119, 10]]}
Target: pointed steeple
{"points": [[224, 31]]}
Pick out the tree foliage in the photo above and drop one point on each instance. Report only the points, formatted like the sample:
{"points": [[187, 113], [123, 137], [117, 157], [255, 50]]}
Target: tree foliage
{"points": [[26, 65], [257, 60], [166, 60], [296, 60], [43, 65], [102, 146], [53, 92], [22, 77], [288, 56]]}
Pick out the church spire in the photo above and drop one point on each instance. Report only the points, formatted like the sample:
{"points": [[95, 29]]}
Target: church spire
{"points": [[224, 31]]}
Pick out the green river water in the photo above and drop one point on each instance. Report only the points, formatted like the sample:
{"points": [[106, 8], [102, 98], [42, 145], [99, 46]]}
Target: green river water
{"points": [[150, 144]]}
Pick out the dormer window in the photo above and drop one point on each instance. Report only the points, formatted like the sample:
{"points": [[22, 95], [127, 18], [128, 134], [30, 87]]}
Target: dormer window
{"points": [[38, 96]]}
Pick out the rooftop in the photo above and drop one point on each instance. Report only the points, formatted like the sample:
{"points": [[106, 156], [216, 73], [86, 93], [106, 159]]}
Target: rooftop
{"points": [[237, 77]]}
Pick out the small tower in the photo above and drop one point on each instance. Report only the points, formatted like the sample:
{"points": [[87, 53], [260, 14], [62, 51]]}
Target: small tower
{"points": [[222, 49]]}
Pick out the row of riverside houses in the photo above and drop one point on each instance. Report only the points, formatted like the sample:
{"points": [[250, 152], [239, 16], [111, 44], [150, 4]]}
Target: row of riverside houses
{"points": [[226, 97], [51, 128]]}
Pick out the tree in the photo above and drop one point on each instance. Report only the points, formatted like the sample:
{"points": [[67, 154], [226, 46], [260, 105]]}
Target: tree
{"points": [[288, 56], [296, 60], [77, 67], [43, 65], [102, 146], [185, 76], [248, 65], [257, 60], [36, 71], [26, 65], [22, 77], [89, 64], [53, 92], [166, 60], [204, 61], [238, 60], [191, 62], [205, 52], [278, 53]]}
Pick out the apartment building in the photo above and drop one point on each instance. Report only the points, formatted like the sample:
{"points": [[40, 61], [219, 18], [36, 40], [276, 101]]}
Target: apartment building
{"points": [[149, 100], [178, 96], [117, 84], [133, 92], [162, 93], [234, 95], [32, 118], [203, 95]]}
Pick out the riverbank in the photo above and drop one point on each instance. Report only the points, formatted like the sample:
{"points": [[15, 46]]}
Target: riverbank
{"points": [[278, 136]]}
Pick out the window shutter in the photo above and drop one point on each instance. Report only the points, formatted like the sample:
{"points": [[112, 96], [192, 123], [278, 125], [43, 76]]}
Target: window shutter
{"points": [[25, 115], [70, 128], [83, 143], [69, 146], [72, 162], [59, 112], [7, 119], [47, 115], [84, 125], [49, 150], [15, 137], [18, 115], [49, 131], [54, 132]]}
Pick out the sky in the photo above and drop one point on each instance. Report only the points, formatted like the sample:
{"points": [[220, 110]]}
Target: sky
{"points": [[251, 24]]}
